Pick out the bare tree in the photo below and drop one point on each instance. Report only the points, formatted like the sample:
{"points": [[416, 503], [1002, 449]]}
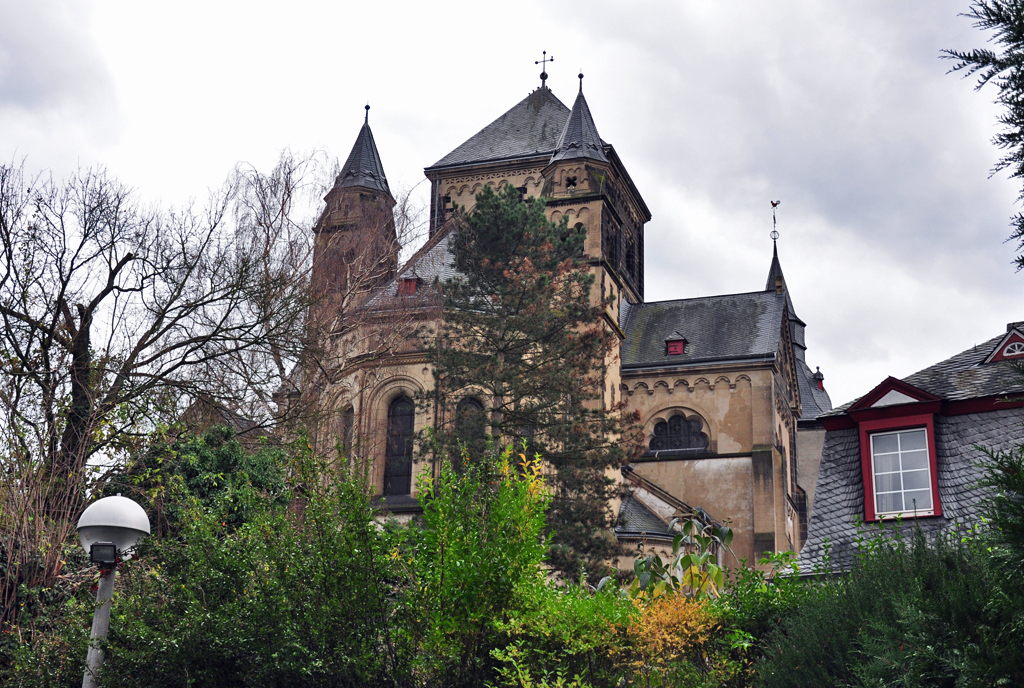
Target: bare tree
{"points": [[113, 314]]}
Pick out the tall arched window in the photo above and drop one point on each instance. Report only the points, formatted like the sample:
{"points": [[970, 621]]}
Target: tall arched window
{"points": [[469, 419], [398, 457], [679, 433], [471, 426], [346, 427]]}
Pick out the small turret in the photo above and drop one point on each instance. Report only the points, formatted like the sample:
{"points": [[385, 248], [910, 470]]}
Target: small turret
{"points": [[580, 139], [356, 243]]}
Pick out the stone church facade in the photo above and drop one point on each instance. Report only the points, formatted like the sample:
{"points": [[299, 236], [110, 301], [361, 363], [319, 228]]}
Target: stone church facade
{"points": [[727, 400]]}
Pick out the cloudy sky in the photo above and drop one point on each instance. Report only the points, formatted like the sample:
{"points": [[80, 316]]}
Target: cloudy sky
{"points": [[892, 232]]}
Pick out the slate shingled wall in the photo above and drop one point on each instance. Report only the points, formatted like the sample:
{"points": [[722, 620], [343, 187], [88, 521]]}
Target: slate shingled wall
{"points": [[839, 496]]}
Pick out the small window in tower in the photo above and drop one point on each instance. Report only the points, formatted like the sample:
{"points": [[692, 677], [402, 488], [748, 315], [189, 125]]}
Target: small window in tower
{"points": [[570, 183], [675, 347], [407, 286]]}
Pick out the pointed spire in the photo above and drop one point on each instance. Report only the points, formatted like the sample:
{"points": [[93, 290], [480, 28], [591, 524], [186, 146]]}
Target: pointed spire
{"points": [[580, 138], [775, 271], [777, 282], [363, 167]]}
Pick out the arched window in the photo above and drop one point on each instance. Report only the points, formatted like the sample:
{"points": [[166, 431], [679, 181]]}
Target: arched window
{"points": [[679, 433], [470, 422], [471, 427], [346, 426], [398, 457]]}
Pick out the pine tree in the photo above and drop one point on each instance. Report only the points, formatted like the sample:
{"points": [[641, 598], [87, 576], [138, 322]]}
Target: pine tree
{"points": [[1003, 20], [523, 350]]}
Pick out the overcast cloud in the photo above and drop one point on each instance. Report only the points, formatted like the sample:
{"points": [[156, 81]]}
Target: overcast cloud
{"points": [[892, 234]]}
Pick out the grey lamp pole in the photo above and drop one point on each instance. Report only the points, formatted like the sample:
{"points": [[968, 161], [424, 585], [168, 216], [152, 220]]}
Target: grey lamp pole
{"points": [[108, 531], [100, 626]]}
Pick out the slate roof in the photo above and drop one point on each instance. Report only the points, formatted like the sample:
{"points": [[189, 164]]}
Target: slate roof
{"points": [[580, 139], [839, 496], [434, 261], [532, 127], [813, 401], [717, 328], [637, 520], [363, 167], [963, 376]]}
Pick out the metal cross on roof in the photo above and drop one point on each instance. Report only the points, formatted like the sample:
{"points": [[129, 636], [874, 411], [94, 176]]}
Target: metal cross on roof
{"points": [[543, 69]]}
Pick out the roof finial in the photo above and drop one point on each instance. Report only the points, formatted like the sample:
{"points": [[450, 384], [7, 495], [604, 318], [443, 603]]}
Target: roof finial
{"points": [[544, 67], [367, 119], [775, 233]]}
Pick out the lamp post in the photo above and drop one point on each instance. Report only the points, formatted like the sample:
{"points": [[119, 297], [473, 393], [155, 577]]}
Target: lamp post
{"points": [[108, 530]]}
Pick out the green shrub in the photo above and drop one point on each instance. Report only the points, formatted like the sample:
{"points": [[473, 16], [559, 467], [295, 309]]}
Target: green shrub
{"points": [[479, 550], [569, 633], [911, 612]]}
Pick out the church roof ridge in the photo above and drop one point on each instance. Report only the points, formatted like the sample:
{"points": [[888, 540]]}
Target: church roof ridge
{"points": [[579, 138], [363, 167], [530, 128], [697, 298]]}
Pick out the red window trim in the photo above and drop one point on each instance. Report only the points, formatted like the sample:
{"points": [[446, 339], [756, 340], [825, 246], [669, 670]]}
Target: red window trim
{"points": [[870, 427], [407, 286], [1000, 356]]}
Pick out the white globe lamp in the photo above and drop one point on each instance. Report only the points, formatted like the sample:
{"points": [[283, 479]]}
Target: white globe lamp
{"points": [[108, 531], [116, 521]]}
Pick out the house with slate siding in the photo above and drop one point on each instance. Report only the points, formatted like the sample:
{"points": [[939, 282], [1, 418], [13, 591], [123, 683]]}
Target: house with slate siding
{"points": [[909, 449], [728, 402]]}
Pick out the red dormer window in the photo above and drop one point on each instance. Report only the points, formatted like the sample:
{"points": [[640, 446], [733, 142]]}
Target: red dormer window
{"points": [[675, 347], [1013, 350], [897, 443], [1010, 348], [407, 286]]}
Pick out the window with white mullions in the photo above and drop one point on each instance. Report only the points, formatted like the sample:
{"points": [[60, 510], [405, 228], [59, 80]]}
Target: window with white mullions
{"points": [[1014, 349], [902, 473]]}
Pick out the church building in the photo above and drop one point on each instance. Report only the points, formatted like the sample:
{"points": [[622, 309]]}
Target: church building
{"points": [[728, 403]]}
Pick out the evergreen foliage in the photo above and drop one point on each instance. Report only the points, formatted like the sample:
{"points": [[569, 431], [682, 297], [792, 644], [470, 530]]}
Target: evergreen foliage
{"points": [[521, 334], [1003, 67]]}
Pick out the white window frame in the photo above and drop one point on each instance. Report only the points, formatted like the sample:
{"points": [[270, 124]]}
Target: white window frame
{"points": [[928, 469], [1018, 349]]}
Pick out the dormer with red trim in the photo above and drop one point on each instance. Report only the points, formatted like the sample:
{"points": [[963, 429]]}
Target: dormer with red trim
{"points": [[896, 424], [675, 344], [1010, 347], [408, 286]]}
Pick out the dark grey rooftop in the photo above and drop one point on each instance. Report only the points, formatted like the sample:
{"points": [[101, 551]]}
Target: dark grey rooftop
{"points": [[813, 401], [637, 520], [363, 167], [434, 261], [532, 127], [580, 139], [964, 376], [734, 326]]}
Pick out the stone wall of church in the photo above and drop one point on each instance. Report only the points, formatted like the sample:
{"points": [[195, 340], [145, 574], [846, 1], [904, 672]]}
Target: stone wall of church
{"points": [[739, 476]]}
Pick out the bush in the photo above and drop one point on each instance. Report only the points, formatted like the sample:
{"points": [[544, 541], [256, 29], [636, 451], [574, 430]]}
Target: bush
{"points": [[568, 634], [910, 613]]}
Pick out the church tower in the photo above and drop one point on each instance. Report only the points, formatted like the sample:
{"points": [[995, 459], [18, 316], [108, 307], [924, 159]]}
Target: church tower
{"points": [[356, 246]]}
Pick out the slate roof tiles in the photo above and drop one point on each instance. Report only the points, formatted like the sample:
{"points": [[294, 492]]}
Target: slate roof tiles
{"points": [[733, 326], [363, 167], [532, 127]]}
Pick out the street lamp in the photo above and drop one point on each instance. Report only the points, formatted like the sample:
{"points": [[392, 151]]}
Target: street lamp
{"points": [[108, 530]]}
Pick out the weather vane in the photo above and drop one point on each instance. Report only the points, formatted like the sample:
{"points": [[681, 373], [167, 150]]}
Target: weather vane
{"points": [[775, 233], [544, 67]]}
